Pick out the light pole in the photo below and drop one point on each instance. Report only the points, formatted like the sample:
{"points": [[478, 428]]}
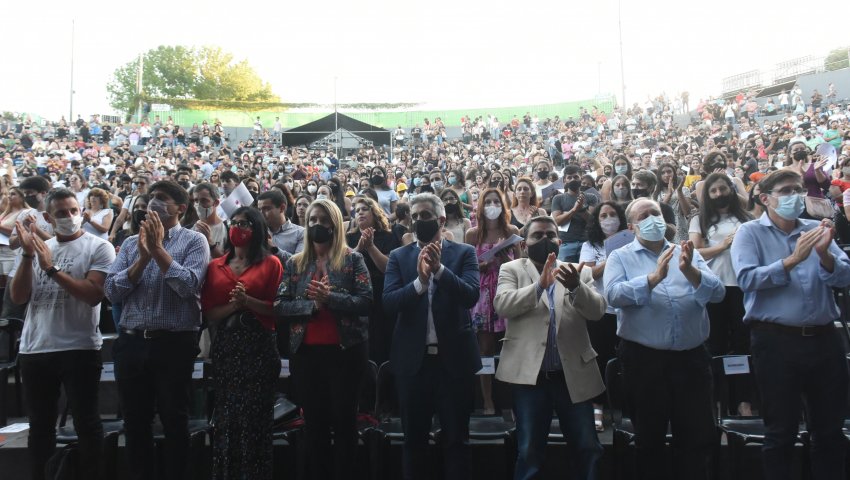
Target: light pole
{"points": [[622, 70], [71, 108]]}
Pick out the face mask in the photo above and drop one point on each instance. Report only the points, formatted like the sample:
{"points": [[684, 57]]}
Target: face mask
{"points": [[452, 209], [492, 212], [68, 226], [139, 216], [620, 192], [426, 229], [452, 181], [640, 192], [203, 212], [722, 201], [240, 237], [438, 184], [574, 185], [610, 225], [543, 174], [539, 252], [800, 155], [160, 207], [254, 195], [652, 228], [621, 169], [321, 196], [311, 189], [320, 234], [495, 183], [185, 185], [790, 206], [288, 185], [32, 200], [377, 180], [417, 182]]}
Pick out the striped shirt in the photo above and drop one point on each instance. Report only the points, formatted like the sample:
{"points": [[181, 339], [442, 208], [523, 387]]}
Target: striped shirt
{"points": [[161, 300]]}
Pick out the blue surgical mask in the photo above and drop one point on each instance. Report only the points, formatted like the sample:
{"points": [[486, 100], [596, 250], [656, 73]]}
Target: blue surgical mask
{"points": [[790, 207], [652, 228], [417, 182], [452, 181], [621, 169]]}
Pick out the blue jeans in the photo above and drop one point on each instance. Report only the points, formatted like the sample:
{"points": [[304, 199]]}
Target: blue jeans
{"points": [[533, 405], [569, 251]]}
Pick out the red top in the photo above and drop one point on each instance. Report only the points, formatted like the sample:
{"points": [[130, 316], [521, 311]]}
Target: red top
{"points": [[322, 329], [261, 282]]}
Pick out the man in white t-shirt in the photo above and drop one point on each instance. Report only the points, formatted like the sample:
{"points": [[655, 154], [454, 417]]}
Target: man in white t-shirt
{"points": [[62, 280]]}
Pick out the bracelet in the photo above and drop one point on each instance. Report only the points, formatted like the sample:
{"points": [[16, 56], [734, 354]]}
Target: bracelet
{"points": [[27, 256]]}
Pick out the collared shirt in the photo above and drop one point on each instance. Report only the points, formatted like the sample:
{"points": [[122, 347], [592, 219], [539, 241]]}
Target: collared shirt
{"points": [[672, 315], [161, 300], [289, 238], [430, 330], [800, 297]]}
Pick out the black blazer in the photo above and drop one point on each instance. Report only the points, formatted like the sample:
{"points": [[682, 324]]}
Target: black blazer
{"points": [[456, 292]]}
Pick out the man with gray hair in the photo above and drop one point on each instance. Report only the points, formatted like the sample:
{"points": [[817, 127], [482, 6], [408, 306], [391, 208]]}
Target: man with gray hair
{"points": [[429, 286], [662, 326]]}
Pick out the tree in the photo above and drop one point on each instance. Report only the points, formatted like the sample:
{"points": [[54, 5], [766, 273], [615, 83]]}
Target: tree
{"points": [[837, 59], [207, 73]]}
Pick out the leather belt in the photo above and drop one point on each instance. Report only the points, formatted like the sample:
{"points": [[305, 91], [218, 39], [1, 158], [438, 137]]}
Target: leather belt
{"points": [[803, 331], [147, 334], [550, 375], [431, 350]]}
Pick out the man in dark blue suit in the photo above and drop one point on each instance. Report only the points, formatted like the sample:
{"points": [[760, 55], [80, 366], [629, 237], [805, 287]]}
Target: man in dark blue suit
{"points": [[429, 286]]}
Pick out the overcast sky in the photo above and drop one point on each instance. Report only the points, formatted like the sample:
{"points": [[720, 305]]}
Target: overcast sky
{"points": [[468, 53]]}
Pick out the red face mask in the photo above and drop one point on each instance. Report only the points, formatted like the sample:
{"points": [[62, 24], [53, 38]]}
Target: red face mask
{"points": [[240, 237]]}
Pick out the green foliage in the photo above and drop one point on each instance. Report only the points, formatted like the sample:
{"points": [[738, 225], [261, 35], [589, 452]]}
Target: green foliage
{"points": [[837, 59], [205, 73]]}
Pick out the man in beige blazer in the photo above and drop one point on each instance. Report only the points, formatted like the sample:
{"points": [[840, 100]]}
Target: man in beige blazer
{"points": [[546, 353]]}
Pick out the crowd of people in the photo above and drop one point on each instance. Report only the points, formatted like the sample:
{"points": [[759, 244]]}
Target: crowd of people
{"points": [[556, 244]]}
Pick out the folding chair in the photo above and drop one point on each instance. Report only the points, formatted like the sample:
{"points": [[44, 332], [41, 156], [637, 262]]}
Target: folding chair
{"points": [[10, 330]]}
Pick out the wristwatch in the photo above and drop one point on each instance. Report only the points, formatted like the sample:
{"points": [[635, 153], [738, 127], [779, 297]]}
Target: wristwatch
{"points": [[51, 271]]}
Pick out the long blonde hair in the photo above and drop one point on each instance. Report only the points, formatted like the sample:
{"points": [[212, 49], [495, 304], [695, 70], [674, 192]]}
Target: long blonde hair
{"points": [[338, 249]]}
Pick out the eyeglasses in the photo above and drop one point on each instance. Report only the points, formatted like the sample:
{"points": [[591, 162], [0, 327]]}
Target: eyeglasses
{"points": [[789, 190], [243, 224]]}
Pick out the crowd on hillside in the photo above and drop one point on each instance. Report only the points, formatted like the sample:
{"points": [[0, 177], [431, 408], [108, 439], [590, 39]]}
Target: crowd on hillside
{"points": [[556, 244]]}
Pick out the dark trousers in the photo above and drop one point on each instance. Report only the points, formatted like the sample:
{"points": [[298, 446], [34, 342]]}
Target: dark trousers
{"points": [[435, 390], [792, 373], [603, 337], [533, 406], [666, 386], [729, 335], [78, 371], [155, 376], [327, 380]]}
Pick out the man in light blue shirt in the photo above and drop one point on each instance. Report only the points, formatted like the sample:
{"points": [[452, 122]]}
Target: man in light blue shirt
{"points": [[787, 268], [663, 324]]}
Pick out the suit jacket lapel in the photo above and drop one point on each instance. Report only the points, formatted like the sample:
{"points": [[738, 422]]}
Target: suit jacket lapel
{"points": [[534, 277]]}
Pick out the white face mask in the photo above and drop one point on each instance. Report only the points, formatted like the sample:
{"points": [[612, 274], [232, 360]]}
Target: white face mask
{"points": [[492, 212], [311, 189], [609, 225], [68, 226], [321, 196], [203, 212]]}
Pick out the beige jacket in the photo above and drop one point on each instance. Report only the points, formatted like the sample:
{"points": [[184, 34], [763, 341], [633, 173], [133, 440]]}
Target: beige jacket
{"points": [[528, 323]]}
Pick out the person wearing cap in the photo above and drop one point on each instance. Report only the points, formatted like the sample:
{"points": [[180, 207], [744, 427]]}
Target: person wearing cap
{"points": [[787, 268]]}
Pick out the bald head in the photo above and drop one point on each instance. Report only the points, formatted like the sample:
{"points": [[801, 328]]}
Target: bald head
{"points": [[642, 208]]}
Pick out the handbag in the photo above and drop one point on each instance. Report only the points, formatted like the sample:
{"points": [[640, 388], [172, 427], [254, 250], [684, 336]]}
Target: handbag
{"points": [[819, 208]]}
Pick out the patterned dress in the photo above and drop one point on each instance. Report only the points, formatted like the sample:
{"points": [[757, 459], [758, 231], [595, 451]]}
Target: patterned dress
{"points": [[484, 317]]}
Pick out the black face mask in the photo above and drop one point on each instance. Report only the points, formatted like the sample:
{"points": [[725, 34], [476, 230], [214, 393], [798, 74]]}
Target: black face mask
{"points": [[800, 155], [584, 188], [139, 216], [543, 174], [539, 252], [185, 185], [574, 185], [320, 234], [452, 209], [31, 200], [495, 184], [426, 230], [722, 201], [378, 180], [640, 192]]}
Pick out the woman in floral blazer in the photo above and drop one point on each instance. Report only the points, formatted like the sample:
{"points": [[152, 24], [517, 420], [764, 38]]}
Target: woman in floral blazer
{"points": [[325, 297]]}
